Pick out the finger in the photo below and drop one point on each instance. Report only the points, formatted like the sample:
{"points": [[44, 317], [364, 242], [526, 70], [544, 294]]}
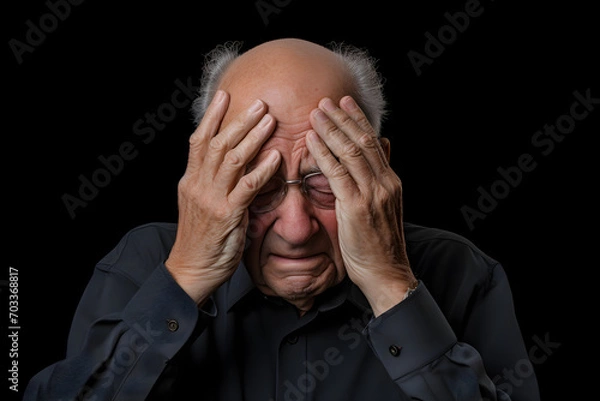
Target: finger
{"points": [[347, 151], [340, 180], [206, 129], [232, 134], [235, 161], [349, 105], [249, 185], [355, 125]]}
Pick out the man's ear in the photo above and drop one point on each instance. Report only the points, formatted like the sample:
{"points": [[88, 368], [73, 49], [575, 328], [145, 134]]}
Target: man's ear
{"points": [[385, 144]]}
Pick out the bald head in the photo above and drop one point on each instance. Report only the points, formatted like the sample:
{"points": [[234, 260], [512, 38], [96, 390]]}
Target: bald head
{"points": [[289, 75], [282, 59], [299, 70]]}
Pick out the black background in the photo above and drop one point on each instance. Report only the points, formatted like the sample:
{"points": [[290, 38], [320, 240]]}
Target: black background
{"points": [[77, 95]]}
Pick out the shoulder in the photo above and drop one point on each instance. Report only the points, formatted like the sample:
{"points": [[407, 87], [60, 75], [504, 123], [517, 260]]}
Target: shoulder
{"points": [[140, 250], [441, 250], [459, 275]]}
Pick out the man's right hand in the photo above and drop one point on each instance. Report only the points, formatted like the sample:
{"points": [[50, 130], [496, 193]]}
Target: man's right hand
{"points": [[214, 194]]}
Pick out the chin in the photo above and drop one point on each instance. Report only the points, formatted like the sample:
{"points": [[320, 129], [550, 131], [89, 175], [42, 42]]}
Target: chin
{"points": [[299, 287], [303, 287]]}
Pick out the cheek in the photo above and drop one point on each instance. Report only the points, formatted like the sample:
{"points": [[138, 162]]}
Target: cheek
{"points": [[255, 233], [329, 224]]}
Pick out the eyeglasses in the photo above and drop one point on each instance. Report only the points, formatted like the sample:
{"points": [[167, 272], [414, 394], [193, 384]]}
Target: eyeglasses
{"points": [[315, 186]]}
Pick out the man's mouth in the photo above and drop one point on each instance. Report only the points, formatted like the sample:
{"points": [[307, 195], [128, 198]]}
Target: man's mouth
{"points": [[294, 256], [298, 264]]}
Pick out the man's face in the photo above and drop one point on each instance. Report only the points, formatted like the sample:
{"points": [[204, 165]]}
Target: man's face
{"points": [[293, 250]]}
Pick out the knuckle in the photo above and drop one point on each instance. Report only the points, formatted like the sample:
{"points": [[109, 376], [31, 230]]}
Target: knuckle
{"points": [[398, 191], [195, 140], [233, 158], [250, 142], [217, 144], [183, 184], [221, 213], [389, 195], [383, 195], [250, 183], [244, 121], [345, 120], [187, 186], [396, 183], [332, 130], [364, 122], [351, 150], [339, 171], [185, 191], [367, 140]]}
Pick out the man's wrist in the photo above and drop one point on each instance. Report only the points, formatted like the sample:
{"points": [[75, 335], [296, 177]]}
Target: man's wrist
{"points": [[411, 288], [197, 287], [384, 296]]}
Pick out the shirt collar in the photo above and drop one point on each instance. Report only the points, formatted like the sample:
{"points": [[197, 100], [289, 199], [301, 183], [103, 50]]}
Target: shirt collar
{"points": [[241, 284], [238, 286]]}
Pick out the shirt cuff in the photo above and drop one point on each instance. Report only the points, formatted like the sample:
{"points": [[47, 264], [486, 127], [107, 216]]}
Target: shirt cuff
{"points": [[410, 335], [163, 313]]}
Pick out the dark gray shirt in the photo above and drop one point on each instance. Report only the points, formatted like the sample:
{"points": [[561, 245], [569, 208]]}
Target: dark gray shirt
{"points": [[137, 335]]}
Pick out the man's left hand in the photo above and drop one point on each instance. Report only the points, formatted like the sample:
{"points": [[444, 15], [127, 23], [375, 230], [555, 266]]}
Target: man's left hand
{"points": [[368, 201]]}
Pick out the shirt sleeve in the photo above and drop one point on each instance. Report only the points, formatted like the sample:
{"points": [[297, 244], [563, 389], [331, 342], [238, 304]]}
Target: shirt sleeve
{"points": [[421, 353], [124, 335]]}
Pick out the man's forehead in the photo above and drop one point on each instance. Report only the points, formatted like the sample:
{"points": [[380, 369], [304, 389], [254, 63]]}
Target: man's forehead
{"points": [[296, 159], [290, 103]]}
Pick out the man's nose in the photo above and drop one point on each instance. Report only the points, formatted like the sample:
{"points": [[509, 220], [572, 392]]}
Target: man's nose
{"points": [[295, 222]]}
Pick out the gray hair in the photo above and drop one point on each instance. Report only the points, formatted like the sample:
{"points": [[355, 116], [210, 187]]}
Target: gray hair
{"points": [[367, 82]]}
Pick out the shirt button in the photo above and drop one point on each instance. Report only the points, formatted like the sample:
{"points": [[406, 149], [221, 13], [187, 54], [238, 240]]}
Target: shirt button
{"points": [[395, 350], [172, 324], [292, 340]]}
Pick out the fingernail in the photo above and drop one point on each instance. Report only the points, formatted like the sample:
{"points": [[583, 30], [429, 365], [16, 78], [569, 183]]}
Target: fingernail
{"points": [[273, 156], [264, 121], [328, 105], [320, 116], [256, 106], [349, 103], [219, 96]]}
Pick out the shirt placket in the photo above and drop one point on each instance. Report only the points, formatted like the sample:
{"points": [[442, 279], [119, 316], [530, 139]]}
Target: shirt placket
{"points": [[294, 381]]}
